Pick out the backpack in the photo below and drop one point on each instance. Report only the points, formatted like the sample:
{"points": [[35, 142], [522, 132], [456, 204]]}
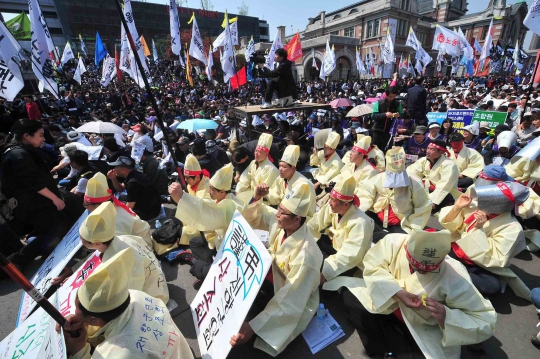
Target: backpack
{"points": [[169, 232]]}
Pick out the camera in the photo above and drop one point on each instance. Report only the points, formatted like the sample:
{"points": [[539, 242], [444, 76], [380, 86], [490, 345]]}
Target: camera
{"points": [[257, 57]]}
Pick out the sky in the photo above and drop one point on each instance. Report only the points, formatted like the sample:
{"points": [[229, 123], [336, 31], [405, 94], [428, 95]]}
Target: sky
{"points": [[294, 14]]}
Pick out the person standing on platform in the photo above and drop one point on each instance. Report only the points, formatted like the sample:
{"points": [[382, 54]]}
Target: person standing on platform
{"points": [[417, 101]]}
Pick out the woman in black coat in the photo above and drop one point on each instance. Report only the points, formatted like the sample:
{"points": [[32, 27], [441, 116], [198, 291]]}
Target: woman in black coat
{"points": [[26, 177]]}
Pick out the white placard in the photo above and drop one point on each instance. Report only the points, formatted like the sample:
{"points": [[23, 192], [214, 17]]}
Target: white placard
{"points": [[225, 297], [137, 150], [52, 267]]}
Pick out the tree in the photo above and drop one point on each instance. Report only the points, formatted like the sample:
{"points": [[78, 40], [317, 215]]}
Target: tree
{"points": [[181, 3], [243, 9], [207, 5]]}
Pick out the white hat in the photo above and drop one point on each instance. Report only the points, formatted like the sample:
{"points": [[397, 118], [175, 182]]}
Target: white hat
{"points": [[426, 250], [333, 140], [73, 135], [222, 179], [265, 142], [396, 175], [291, 155], [344, 191], [192, 166], [362, 145], [100, 225], [298, 200], [473, 128], [506, 139]]}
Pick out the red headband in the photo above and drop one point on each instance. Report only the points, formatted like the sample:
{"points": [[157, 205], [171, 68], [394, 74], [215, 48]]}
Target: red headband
{"points": [[440, 148], [360, 150], [506, 191], [204, 172], [483, 176], [116, 201], [353, 198], [419, 265], [262, 148]]}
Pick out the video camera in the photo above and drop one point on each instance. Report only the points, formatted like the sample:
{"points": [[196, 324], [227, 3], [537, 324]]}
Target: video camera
{"points": [[257, 57]]}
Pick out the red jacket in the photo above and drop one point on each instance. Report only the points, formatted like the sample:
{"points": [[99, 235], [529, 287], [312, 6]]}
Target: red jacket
{"points": [[32, 111]]}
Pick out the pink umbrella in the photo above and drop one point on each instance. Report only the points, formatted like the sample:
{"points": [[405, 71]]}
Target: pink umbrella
{"points": [[341, 102], [372, 99]]}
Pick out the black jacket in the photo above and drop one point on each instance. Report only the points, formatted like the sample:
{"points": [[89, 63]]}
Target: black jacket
{"points": [[417, 103], [284, 75], [380, 121]]}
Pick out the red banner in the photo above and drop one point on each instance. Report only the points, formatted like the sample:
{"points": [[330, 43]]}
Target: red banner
{"points": [[537, 76], [294, 48], [239, 79], [119, 74]]}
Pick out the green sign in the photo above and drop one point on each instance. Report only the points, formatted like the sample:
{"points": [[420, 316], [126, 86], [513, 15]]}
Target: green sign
{"points": [[491, 117], [19, 26]]}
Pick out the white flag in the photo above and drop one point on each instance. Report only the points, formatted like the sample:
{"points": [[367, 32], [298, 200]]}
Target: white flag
{"points": [[447, 41], [468, 51], [11, 80], [79, 71], [220, 40], [9, 47], [128, 13], [410, 69], [272, 53], [210, 64], [532, 20], [250, 49], [41, 62], [388, 51], [488, 43], [176, 42], [412, 40], [419, 67], [125, 54], [329, 62], [109, 71], [423, 56], [322, 74], [476, 45], [313, 61], [516, 54], [371, 64], [67, 54], [359, 64], [196, 47], [440, 60], [227, 58], [154, 51]]}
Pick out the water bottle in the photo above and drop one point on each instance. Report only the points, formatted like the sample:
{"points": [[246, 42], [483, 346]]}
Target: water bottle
{"points": [[321, 312], [158, 224]]}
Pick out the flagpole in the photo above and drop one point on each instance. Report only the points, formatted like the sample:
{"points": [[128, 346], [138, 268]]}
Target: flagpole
{"points": [[150, 94]]}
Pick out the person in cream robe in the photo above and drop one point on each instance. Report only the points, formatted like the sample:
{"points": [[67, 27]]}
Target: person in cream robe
{"points": [[470, 163], [296, 263], [396, 201], [414, 298], [485, 241], [375, 156], [525, 166], [328, 162], [97, 232], [130, 324]]}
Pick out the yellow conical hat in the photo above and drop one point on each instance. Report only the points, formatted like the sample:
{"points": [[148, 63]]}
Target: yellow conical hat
{"points": [[192, 167], [100, 225], [96, 187], [108, 287], [362, 145], [291, 155], [395, 160], [222, 179], [333, 140], [344, 190], [298, 201], [265, 141], [426, 250]]}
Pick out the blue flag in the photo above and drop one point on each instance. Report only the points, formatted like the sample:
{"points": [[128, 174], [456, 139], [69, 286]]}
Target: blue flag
{"points": [[101, 51]]}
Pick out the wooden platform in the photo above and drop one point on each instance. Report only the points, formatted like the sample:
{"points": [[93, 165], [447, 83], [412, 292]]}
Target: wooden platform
{"points": [[247, 111]]}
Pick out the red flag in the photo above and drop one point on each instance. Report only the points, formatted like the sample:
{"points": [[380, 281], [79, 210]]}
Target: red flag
{"points": [[239, 78], [294, 48], [119, 74], [537, 75]]}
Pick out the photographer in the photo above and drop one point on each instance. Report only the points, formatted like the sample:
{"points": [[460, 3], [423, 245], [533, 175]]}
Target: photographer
{"points": [[282, 78]]}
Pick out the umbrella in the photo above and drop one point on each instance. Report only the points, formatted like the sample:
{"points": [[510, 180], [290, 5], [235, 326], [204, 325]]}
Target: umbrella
{"points": [[361, 110], [341, 102], [101, 127], [442, 91], [372, 99], [197, 124]]}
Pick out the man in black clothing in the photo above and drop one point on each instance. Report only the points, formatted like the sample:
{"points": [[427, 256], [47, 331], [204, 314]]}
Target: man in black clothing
{"points": [[205, 161], [283, 84], [384, 113], [417, 102], [142, 197]]}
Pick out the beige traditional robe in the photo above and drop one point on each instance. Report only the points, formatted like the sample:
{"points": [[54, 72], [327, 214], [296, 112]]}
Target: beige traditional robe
{"points": [[278, 191], [202, 189], [374, 154], [470, 318], [296, 264], [444, 175], [491, 247], [530, 209], [470, 163], [208, 216], [144, 330], [410, 204], [524, 170], [127, 224], [254, 176], [351, 238], [327, 169], [361, 174]]}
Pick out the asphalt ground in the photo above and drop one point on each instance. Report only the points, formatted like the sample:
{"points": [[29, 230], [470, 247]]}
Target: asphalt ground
{"points": [[516, 321]]}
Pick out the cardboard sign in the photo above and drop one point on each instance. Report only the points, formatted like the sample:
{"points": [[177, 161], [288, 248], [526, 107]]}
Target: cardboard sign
{"points": [[461, 118], [225, 297], [438, 117], [491, 117], [52, 267]]}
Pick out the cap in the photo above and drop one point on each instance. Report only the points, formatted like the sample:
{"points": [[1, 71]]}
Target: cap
{"points": [[265, 142], [192, 166], [485, 125], [123, 161], [396, 176], [183, 141], [426, 250], [97, 188], [473, 128], [362, 145], [108, 287], [491, 175], [210, 146], [222, 179], [298, 200], [501, 197], [291, 155], [420, 130], [333, 140], [344, 190], [100, 225], [501, 128], [506, 139], [434, 125], [217, 118], [73, 135]]}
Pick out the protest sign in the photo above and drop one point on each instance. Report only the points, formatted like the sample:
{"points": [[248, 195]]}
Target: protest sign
{"points": [[52, 267], [438, 117], [461, 118], [491, 117], [36, 338], [225, 297]]}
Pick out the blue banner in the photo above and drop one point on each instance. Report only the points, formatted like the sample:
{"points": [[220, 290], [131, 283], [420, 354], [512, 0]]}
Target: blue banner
{"points": [[461, 118], [438, 117], [101, 50]]}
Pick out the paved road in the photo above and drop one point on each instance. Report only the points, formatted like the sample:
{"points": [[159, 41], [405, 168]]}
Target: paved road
{"points": [[516, 319]]}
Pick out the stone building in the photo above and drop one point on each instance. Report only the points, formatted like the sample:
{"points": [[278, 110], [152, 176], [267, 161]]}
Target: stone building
{"points": [[364, 25]]}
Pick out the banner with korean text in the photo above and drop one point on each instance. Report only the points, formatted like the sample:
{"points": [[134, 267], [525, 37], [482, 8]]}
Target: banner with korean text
{"points": [[491, 117], [460, 118], [225, 297]]}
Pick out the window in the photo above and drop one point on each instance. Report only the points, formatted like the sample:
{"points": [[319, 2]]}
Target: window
{"points": [[372, 28], [421, 37], [353, 11], [349, 31], [405, 5], [402, 27], [334, 32], [338, 16], [485, 31]]}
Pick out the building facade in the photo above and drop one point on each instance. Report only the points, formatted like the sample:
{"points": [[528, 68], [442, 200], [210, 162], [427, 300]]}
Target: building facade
{"points": [[364, 25]]}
